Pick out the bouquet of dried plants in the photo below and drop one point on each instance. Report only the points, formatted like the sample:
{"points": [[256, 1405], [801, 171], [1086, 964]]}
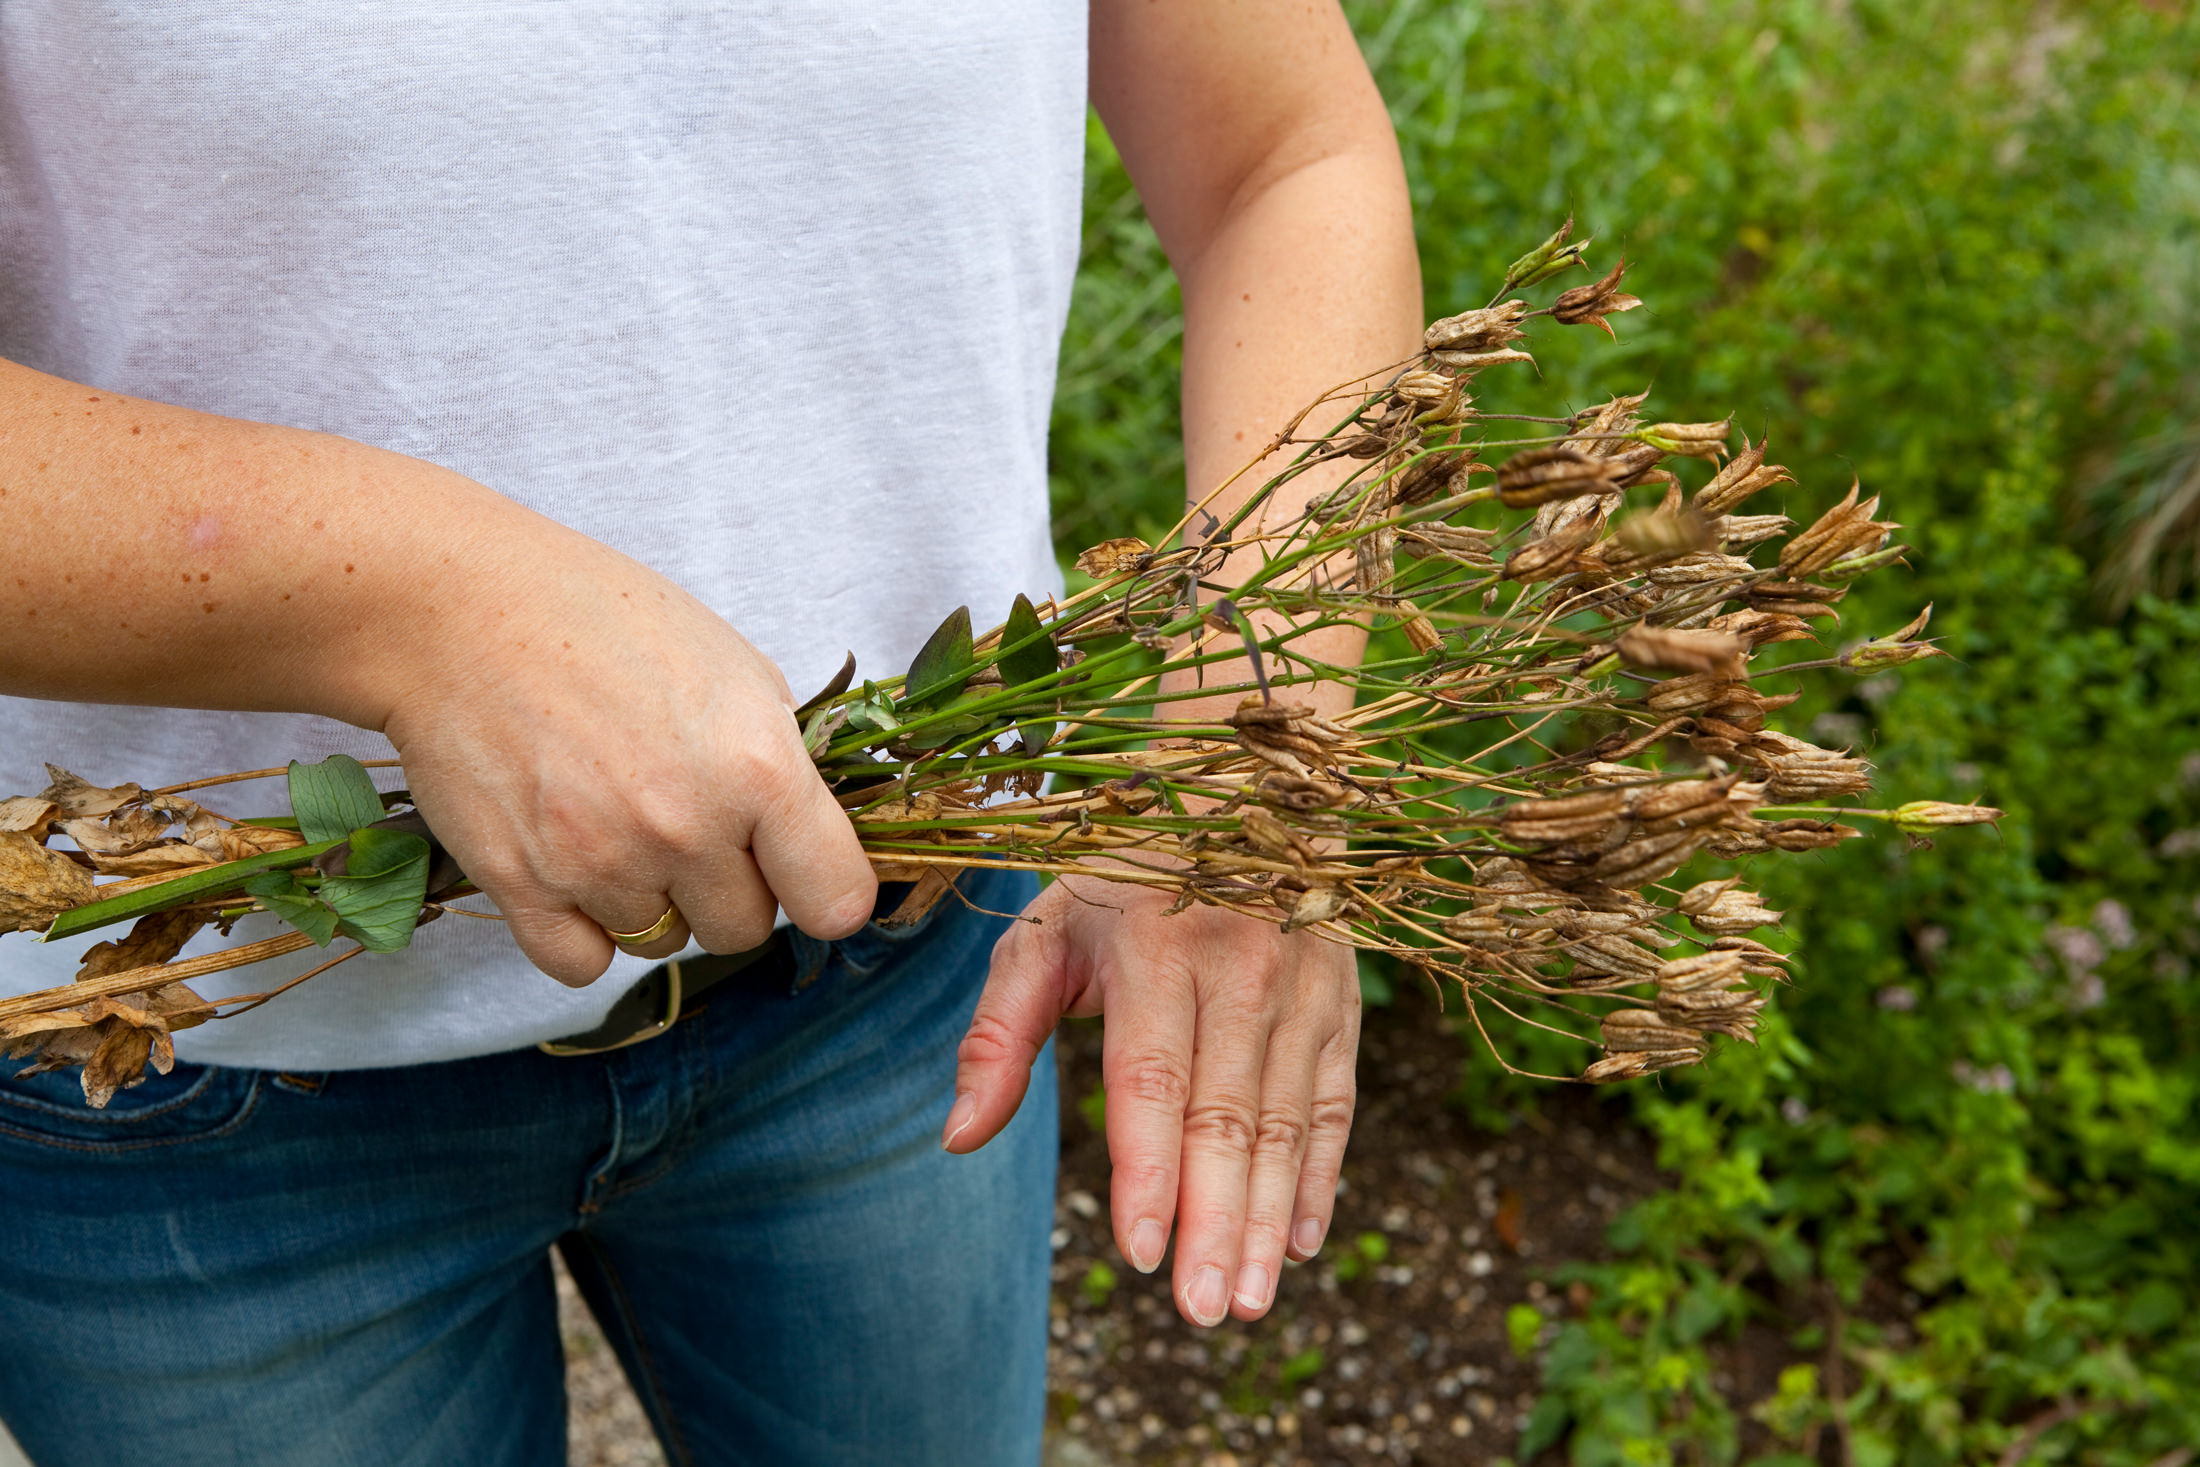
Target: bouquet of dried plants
{"points": [[1556, 715]]}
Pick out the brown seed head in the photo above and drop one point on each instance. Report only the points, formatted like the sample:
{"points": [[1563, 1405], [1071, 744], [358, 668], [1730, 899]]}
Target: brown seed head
{"points": [[1592, 303], [1113, 557], [1663, 534], [1626, 1065], [1744, 475], [1542, 475], [1552, 556], [1694, 440], [1846, 529], [1760, 627], [1642, 1031], [1667, 650], [1477, 331]]}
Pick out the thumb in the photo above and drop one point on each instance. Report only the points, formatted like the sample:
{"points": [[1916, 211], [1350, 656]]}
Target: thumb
{"points": [[1025, 997]]}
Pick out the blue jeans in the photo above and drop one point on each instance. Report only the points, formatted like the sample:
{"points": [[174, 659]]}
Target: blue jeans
{"points": [[241, 1267]]}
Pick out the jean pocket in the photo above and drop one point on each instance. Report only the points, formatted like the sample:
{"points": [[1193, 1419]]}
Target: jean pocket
{"points": [[189, 1103], [977, 911]]}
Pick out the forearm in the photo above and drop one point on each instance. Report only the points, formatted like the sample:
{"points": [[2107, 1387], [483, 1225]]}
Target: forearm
{"points": [[1310, 283], [164, 556]]}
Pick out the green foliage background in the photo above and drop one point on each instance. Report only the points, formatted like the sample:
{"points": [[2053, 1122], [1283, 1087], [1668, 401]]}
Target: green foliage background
{"points": [[1953, 249]]}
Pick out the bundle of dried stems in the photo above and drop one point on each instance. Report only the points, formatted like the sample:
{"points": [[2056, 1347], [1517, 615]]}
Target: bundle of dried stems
{"points": [[1556, 716]]}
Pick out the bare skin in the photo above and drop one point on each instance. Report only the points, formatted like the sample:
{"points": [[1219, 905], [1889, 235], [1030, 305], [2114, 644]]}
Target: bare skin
{"points": [[154, 548], [594, 694], [1229, 1047]]}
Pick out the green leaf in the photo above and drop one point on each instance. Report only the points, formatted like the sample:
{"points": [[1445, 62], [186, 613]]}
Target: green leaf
{"points": [[944, 661], [379, 895], [830, 691], [332, 798], [1028, 652], [296, 903], [176, 891]]}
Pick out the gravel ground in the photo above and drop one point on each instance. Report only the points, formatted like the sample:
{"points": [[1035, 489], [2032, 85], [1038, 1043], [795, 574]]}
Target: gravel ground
{"points": [[1398, 1356]]}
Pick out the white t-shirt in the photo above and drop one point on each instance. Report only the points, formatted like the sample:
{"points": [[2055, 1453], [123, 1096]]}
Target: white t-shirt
{"points": [[766, 295]]}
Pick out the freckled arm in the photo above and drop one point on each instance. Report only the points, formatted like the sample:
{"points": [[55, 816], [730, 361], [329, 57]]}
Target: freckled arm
{"points": [[163, 556]]}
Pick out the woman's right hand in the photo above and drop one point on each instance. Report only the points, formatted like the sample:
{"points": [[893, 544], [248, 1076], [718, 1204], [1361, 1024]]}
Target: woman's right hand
{"points": [[593, 743]]}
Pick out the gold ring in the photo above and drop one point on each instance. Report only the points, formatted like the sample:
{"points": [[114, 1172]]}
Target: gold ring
{"points": [[650, 933]]}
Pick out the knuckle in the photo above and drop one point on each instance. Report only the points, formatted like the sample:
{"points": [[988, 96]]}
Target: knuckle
{"points": [[1228, 1124], [1280, 1136], [1333, 1113], [991, 1041], [1155, 1078]]}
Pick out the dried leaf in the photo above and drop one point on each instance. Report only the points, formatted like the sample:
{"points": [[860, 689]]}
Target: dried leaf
{"points": [[154, 938], [37, 884], [28, 813], [1113, 557], [77, 797]]}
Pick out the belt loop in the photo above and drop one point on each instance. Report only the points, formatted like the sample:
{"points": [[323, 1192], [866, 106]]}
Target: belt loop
{"points": [[809, 959]]}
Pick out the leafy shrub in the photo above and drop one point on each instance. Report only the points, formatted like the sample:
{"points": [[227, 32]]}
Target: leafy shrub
{"points": [[1963, 241]]}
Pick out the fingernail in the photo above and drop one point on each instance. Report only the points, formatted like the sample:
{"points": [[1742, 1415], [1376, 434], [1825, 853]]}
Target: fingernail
{"points": [[1148, 1239], [1203, 1299], [1308, 1236], [959, 1119], [1252, 1286]]}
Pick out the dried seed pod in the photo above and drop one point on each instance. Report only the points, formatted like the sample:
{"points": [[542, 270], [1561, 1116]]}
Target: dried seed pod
{"points": [[1675, 651], [1484, 926], [1571, 817], [1740, 531], [1796, 591], [1423, 387], [1807, 835], [1744, 474], [1592, 303], [1604, 429], [1710, 994], [1633, 1065], [1542, 475], [1704, 569], [1662, 534], [1893, 649], [1758, 960], [1113, 557], [1705, 970], [1921, 816], [1436, 475], [1685, 694], [1761, 627], [1552, 556], [1846, 529], [1818, 775], [1463, 543], [1695, 440], [1637, 464], [1723, 909], [1467, 362], [1375, 561], [1689, 802], [1298, 792], [1647, 859], [1610, 953], [1420, 632], [1477, 331], [1643, 1031], [1322, 904]]}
